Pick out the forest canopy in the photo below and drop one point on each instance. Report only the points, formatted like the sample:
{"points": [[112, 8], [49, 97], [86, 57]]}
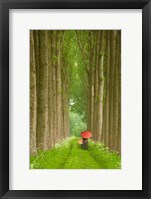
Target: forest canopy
{"points": [[75, 85]]}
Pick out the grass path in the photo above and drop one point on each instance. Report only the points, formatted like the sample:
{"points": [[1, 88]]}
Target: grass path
{"points": [[80, 159], [69, 155]]}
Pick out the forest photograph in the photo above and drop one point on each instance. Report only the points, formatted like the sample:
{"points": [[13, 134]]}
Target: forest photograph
{"points": [[75, 99]]}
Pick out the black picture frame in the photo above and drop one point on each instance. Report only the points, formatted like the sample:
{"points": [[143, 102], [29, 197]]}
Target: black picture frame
{"points": [[5, 5]]}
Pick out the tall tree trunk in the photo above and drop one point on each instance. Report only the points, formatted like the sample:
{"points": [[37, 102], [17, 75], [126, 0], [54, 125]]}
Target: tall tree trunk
{"points": [[107, 92], [42, 130], [112, 65], [119, 95], [50, 91], [65, 99], [58, 88], [101, 54], [116, 96], [90, 81], [54, 84], [92, 87], [33, 149], [97, 38], [36, 48]]}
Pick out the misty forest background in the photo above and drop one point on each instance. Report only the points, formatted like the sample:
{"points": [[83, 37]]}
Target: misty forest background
{"points": [[75, 85]]}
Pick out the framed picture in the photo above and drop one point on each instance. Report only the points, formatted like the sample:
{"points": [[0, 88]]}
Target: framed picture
{"points": [[75, 99]]}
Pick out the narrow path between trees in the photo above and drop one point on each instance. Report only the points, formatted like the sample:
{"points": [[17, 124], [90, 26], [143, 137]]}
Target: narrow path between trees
{"points": [[69, 155], [80, 159]]}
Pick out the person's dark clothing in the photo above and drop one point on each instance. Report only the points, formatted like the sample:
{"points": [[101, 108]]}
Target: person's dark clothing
{"points": [[85, 143]]}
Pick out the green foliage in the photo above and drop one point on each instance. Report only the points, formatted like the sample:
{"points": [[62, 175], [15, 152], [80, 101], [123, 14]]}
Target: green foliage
{"points": [[80, 159], [102, 155], [69, 155], [74, 60], [54, 158], [76, 124]]}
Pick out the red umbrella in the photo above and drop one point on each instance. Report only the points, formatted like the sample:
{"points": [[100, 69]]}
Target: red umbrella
{"points": [[86, 134]]}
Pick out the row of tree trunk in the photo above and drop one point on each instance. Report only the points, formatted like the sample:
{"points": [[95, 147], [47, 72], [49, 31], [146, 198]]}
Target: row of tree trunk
{"points": [[49, 86], [103, 76], [49, 117]]}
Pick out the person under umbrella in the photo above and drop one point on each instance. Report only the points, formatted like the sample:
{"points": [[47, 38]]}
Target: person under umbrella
{"points": [[86, 135], [85, 143]]}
